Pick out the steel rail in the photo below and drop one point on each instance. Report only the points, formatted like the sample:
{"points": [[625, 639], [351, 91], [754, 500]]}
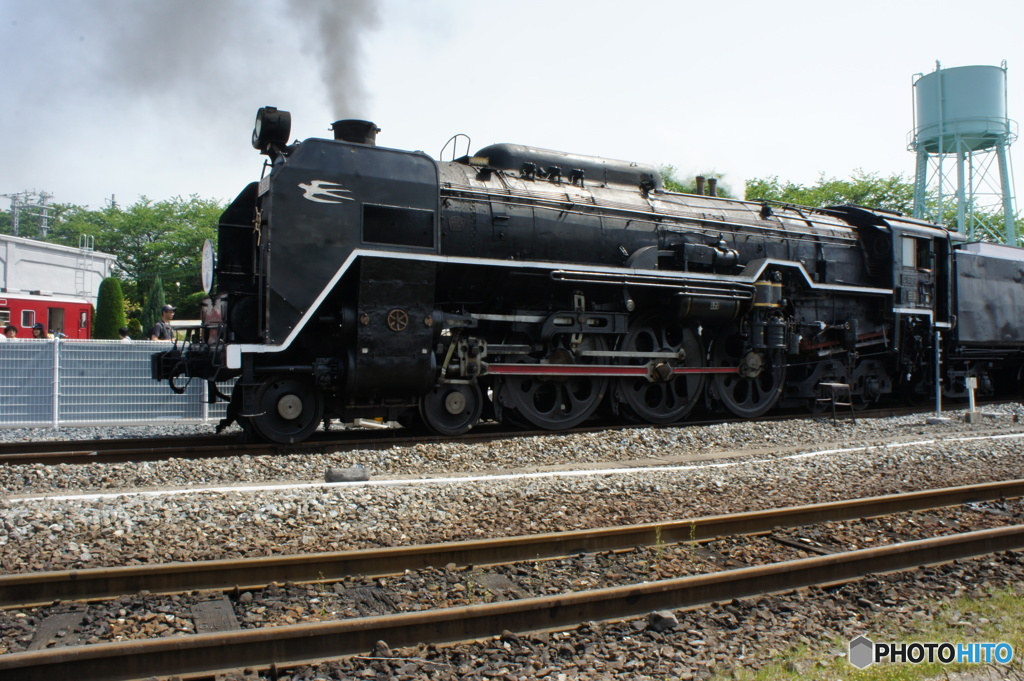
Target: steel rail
{"points": [[111, 443], [135, 450], [305, 643], [41, 588], [193, 440], [144, 449], [99, 455]]}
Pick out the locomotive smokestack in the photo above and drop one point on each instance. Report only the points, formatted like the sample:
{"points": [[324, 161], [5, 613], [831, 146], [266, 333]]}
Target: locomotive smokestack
{"points": [[712, 186], [356, 131], [700, 185]]}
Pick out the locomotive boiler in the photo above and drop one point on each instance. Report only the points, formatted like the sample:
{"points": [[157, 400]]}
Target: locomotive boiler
{"points": [[542, 288]]}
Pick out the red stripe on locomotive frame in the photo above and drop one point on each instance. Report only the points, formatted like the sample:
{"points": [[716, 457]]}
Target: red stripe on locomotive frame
{"points": [[593, 370]]}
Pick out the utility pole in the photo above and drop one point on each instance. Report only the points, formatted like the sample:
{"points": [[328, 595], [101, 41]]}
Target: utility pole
{"points": [[32, 201], [44, 223]]}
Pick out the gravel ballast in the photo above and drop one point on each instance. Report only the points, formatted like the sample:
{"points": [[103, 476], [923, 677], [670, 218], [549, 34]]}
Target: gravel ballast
{"points": [[49, 534], [704, 471]]}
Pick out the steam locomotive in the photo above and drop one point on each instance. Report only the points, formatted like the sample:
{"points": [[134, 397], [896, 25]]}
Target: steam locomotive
{"points": [[542, 288]]}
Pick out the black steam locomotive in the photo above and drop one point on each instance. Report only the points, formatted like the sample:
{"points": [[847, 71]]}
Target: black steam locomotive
{"points": [[541, 288]]}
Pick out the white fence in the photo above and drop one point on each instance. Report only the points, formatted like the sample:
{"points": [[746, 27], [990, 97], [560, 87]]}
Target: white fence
{"points": [[92, 383]]}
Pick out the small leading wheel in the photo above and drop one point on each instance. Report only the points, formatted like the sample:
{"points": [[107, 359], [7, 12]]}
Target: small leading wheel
{"points": [[452, 409], [554, 403], [663, 397], [289, 409], [757, 385], [869, 382]]}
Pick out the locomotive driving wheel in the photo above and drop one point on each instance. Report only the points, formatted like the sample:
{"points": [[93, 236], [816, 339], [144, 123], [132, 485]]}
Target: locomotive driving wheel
{"points": [[756, 386], [452, 409], [553, 402], [662, 397], [289, 409]]}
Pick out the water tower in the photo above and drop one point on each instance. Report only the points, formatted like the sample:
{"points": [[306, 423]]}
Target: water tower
{"points": [[962, 137]]}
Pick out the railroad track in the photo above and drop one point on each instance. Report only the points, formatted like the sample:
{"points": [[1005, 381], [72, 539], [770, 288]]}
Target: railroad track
{"points": [[209, 446], [288, 645]]}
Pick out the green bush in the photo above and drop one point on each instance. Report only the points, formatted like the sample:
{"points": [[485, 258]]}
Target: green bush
{"points": [[109, 310]]}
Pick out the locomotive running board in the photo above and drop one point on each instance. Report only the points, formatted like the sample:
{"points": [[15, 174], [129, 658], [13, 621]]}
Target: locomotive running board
{"points": [[594, 370]]}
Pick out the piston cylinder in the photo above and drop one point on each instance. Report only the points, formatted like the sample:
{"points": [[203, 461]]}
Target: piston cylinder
{"points": [[709, 311]]}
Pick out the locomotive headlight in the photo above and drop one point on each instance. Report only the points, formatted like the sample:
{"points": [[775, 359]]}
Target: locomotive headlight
{"points": [[273, 126]]}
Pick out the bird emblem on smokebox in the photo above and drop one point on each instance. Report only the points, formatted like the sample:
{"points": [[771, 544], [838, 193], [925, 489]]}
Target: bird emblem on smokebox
{"points": [[323, 191]]}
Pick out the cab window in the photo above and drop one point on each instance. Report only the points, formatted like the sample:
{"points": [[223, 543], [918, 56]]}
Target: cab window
{"points": [[917, 253], [909, 252]]}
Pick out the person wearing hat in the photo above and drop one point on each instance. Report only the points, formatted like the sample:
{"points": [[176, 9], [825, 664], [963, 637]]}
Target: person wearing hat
{"points": [[162, 330], [39, 332]]}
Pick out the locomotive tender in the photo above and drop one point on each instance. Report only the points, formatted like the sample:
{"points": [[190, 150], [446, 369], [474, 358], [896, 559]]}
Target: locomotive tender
{"points": [[537, 287]]}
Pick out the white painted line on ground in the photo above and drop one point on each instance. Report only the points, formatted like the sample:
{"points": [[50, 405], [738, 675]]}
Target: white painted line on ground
{"points": [[491, 478]]}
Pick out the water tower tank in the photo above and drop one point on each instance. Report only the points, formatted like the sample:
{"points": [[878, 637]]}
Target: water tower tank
{"points": [[966, 103]]}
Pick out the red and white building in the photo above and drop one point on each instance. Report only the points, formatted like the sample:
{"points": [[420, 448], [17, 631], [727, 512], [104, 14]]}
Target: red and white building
{"points": [[49, 284]]}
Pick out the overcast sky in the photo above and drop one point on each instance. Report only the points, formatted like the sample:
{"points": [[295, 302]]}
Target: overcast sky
{"points": [[125, 98]]}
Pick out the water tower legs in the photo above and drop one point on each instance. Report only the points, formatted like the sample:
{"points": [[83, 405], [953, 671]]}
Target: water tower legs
{"points": [[1010, 223]]}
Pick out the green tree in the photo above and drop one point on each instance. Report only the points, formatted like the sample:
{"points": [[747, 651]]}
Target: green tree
{"points": [[673, 183], [110, 315], [871, 190], [894, 192], [162, 239], [154, 301], [76, 226], [149, 238]]}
